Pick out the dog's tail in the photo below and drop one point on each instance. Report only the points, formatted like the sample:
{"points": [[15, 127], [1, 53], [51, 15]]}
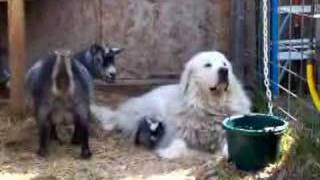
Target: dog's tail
{"points": [[104, 116]]}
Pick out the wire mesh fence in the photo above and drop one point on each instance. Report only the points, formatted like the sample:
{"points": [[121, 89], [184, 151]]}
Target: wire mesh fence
{"points": [[294, 42]]}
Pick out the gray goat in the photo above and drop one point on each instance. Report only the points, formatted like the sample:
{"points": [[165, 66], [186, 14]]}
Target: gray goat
{"points": [[59, 88]]}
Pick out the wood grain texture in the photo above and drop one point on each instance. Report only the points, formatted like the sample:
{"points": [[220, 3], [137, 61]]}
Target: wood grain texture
{"points": [[158, 36], [17, 53], [243, 41]]}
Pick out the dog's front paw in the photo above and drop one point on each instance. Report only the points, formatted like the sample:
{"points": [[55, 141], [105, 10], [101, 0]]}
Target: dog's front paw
{"points": [[225, 152], [108, 127], [176, 149]]}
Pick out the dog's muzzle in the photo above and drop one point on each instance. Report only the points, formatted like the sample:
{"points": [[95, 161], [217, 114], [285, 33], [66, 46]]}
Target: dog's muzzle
{"points": [[223, 80], [223, 74]]}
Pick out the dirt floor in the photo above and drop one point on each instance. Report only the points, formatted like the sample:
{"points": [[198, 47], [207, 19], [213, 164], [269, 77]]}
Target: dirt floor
{"points": [[113, 157]]}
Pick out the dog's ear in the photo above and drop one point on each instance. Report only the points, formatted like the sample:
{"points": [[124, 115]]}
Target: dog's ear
{"points": [[185, 79]]}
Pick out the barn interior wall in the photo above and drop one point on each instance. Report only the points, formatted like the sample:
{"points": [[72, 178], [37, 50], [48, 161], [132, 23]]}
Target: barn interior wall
{"points": [[3, 25], [158, 36]]}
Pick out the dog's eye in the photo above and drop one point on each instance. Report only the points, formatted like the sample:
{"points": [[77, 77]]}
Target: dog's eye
{"points": [[225, 64], [207, 65]]}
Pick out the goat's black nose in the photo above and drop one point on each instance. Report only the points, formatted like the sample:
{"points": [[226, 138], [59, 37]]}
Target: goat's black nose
{"points": [[223, 74], [112, 76]]}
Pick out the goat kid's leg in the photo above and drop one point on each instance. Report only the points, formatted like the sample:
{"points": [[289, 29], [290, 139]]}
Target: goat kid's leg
{"points": [[76, 134], [44, 133], [54, 134], [84, 137], [82, 132]]}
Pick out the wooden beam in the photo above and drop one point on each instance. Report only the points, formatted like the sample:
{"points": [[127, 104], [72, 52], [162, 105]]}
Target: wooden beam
{"points": [[238, 40], [17, 54], [9, 0], [243, 37]]}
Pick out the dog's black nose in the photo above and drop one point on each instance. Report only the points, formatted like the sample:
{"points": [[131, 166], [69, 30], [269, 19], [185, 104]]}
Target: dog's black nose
{"points": [[223, 74], [212, 89]]}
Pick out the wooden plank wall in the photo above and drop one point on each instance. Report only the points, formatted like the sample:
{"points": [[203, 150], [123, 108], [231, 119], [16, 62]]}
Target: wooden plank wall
{"points": [[159, 36], [243, 41]]}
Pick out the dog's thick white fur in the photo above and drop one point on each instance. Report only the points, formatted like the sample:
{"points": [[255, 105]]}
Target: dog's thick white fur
{"points": [[192, 111]]}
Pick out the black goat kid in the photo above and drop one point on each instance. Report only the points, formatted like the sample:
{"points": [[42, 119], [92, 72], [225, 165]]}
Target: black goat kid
{"points": [[60, 88]]}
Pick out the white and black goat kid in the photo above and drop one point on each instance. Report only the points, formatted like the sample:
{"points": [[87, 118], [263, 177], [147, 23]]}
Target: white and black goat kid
{"points": [[100, 61], [60, 88], [149, 132]]}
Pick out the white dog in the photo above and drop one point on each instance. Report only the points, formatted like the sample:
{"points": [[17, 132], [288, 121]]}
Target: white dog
{"points": [[174, 119]]}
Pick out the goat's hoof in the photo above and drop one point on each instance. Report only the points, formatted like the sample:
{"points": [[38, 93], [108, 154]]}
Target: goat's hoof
{"points": [[61, 143], [42, 153], [86, 154], [75, 141]]}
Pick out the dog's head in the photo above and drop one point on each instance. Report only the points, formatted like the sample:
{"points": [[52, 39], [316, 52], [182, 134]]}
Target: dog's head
{"points": [[208, 82], [104, 61], [210, 71]]}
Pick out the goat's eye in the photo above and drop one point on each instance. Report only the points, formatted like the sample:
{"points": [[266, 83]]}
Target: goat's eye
{"points": [[207, 65]]}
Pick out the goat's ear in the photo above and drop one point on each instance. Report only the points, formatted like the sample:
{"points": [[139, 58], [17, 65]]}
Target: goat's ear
{"points": [[94, 48], [117, 50], [185, 79]]}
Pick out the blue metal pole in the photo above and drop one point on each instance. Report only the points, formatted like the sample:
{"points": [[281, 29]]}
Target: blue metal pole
{"points": [[274, 26]]}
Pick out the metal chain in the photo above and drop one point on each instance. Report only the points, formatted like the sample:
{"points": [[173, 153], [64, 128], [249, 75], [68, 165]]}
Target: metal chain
{"points": [[266, 56]]}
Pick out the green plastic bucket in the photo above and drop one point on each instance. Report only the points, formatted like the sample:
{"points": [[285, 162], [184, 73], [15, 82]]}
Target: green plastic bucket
{"points": [[254, 140]]}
